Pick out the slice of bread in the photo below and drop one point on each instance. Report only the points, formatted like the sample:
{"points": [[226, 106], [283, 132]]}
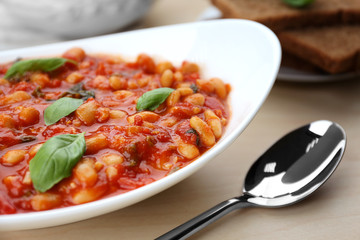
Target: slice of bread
{"points": [[279, 16], [335, 49], [325, 33]]}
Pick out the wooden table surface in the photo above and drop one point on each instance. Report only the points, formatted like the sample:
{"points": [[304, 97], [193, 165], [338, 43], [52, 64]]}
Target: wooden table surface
{"points": [[333, 212]]}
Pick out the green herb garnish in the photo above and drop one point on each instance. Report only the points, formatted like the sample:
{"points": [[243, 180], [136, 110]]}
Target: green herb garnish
{"points": [[194, 88], [38, 93], [78, 91], [152, 99], [61, 108], [19, 68], [174, 170], [27, 138], [193, 131], [298, 3], [55, 160]]}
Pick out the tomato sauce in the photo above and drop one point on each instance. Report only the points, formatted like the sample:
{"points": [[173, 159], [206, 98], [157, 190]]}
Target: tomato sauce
{"points": [[125, 148]]}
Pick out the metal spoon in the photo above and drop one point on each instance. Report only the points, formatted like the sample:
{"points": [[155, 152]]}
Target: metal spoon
{"points": [[289, 171]]}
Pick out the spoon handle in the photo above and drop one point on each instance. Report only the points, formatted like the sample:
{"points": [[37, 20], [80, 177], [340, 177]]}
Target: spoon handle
{"points": [[197, 223]]}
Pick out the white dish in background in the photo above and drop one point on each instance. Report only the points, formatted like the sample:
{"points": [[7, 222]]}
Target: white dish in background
{"points": [[243, 53], [75, 19]]}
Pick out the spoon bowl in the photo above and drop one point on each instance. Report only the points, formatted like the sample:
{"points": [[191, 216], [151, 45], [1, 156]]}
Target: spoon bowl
{"points": [[296, 165], [290, 170]]}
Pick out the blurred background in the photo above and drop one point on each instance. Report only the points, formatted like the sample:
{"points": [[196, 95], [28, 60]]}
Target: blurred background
{"points": [[28, 23]]}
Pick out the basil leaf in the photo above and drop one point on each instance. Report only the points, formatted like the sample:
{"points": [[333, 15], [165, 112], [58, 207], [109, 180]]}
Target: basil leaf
{"points": [[27, 138], [78, 91], [194, 88], [193, 131], [55, 160], [152, 99], [298, 3], [61, 108], [38, 93], [43, 64]]}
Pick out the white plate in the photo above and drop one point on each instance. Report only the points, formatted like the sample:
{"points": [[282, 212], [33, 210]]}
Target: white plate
{"points": [[243, 53], [294, 75]]}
